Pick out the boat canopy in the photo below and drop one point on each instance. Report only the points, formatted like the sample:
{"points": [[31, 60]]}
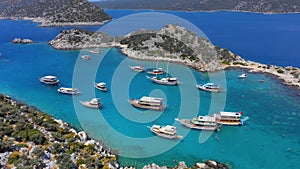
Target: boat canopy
{"points": [[101, 84], [151, 99], [232, 114], [207, 118], [49, 77]]}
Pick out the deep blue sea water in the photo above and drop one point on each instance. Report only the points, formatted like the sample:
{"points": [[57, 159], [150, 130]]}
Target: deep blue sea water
{"points": [[270, 139]]}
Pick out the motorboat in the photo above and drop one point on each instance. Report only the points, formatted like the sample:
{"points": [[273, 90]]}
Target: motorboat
{"points": [[211, 87], [53, 80], [66, 90], [93, 103], [137, 68], [101, 86], [168, 131]]}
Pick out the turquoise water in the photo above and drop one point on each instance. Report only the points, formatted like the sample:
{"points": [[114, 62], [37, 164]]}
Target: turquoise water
{"points": [[268, 140]]}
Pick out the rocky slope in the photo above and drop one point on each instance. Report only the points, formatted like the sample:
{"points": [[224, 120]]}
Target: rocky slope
{"points": [[265, 6], [32, 139], [54, 12], [172, 43]]}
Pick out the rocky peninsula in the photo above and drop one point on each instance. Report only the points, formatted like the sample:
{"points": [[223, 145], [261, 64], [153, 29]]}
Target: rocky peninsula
{"points": [[172, 43], [30, 138], [54, 12]]}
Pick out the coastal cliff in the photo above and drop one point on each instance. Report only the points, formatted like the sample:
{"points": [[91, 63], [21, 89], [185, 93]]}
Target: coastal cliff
{"points": [[173, 43], [54, 12]]}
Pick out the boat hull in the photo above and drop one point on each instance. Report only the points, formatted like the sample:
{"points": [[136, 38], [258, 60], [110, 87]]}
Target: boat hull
{"points": [[136, 103], [158, 133], [87, 104], [207, 89], [189, 124], [49, 82]]}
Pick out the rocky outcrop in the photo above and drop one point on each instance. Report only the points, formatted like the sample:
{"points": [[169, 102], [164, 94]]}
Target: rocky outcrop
{"points": [[21, 41], [210, 164], [172, 44], [78, 39], [54, 12]]}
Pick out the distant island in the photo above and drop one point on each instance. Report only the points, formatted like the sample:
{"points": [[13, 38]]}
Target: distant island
{"points": [[172, 43], [264, 6], [54, 12]]}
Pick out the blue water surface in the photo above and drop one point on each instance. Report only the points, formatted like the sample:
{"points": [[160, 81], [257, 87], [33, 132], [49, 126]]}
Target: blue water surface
{"points": [[268, 140]]}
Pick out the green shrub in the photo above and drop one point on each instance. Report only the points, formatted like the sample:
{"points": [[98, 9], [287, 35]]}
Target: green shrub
{"points": [[280, 71]]}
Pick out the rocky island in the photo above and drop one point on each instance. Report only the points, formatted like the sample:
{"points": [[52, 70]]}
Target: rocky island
{"points": [[54, 12], [21, 41], [172, 43]]}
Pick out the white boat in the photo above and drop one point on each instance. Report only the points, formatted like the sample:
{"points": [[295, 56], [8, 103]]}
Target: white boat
{"points": [[211, 87], [53, 80], [86, 57], [93, 103], [65, 90], [137, 68], [229, 118], [243, 76], [152, 103], [157, 71], [165, 80], [200, 123], [101, 86], [165, 131]]}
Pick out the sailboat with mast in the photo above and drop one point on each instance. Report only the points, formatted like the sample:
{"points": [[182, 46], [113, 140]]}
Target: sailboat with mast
{"points": [[166, 80], [156, 71]]}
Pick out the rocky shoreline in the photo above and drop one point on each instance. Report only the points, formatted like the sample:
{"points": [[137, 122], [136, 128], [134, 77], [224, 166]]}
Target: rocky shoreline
{"points": [[30, 138], [289, 75], [172, 44]]}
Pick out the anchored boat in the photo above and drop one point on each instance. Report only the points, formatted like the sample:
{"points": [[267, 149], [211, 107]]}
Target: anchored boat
{"points": [[165, 81], [200, 123], [211, 87], [243, 76], [230, 118], [137, 68], [93, 103], [86, 57], [101, 86], [165, 131], [152, 103], [53, 80], [65, 90]]}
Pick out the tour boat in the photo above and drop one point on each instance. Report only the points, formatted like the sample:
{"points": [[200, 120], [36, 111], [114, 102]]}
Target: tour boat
{"points": [[53, 80], [165, 80], [211, 87], [101, 86], [93, 103], [137, 68], [86, 57], [71, 91], [158, 71], [95, 51], [165, 131], [243, 76], [230, 118], [152, 103], [200, 123]]}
